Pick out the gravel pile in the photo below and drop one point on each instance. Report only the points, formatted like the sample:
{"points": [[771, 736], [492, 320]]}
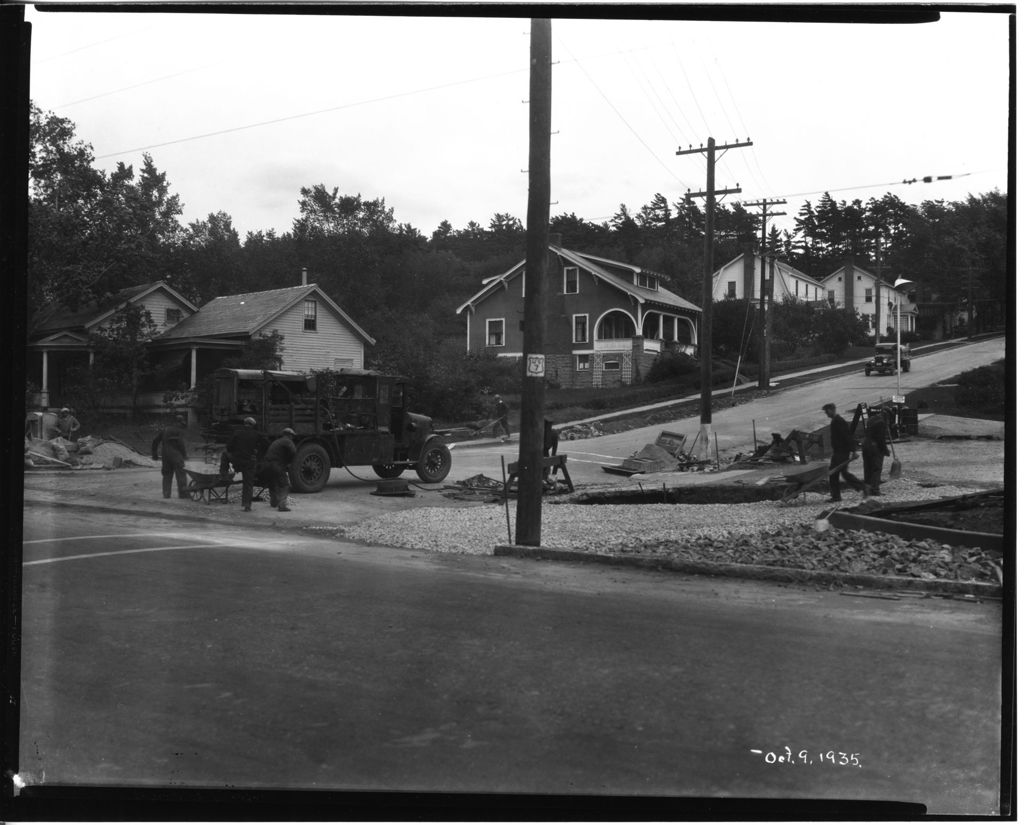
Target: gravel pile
{"points": [[763, 533]]}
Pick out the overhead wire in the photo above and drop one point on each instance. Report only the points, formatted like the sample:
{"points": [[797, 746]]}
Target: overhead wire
{"points": [[739, 114], [133, 86], [657, 104], [315, 112], [621, 117]]}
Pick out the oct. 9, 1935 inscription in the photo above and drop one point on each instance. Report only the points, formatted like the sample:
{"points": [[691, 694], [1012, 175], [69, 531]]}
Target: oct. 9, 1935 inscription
{"points": [[787, 756]]}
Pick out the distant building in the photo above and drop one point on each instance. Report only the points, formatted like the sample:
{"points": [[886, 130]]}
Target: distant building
{"points": [[740, 279], [851, 287], [59, 338], [606, 321], [316, 332]]}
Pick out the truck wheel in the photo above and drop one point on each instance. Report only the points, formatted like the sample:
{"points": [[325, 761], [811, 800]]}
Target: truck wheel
{"points": [[867, 370], [310, 469], [435, 463], [388, 470]]}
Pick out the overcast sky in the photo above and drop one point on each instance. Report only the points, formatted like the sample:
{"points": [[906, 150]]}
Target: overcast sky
{"points": [[431, 113]]}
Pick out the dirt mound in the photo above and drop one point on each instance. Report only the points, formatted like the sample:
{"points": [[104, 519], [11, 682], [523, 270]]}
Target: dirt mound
{"points": [[89, 452]]}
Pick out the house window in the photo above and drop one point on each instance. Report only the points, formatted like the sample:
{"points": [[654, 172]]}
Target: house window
{"points": [[580, 328], [572, 280], [613, 365], [646, 281], [309, 316], [495, 332], [582, 363], [730, 289], [172, 316], [869, 295]]}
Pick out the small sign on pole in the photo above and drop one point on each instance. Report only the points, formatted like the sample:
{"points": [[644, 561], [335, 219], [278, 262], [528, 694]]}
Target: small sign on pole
{"points": [[899, 399], [534, 366]]}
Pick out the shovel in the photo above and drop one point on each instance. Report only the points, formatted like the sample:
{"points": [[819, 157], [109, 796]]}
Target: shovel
{"points": [[896, 467]]}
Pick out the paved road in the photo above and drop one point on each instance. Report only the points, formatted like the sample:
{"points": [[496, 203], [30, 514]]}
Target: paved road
{"points": [[222, 656], [781, 410]]}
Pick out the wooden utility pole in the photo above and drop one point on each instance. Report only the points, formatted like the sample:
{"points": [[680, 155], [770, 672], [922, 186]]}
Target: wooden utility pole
{"points": [[531, 426], [703, 438], [878, 292], [765, 369]]}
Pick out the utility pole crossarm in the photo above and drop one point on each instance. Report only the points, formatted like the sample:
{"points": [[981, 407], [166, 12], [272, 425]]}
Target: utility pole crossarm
{"points": [[691, 195], [718, 147]]}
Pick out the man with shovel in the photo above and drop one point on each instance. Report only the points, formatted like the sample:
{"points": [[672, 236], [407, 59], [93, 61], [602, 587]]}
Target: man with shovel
{"points": [[875, 446], [844, 450]]}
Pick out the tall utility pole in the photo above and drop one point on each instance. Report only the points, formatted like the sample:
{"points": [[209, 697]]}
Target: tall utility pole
{"points": [[531, 427], [765, 369], [878, 292], [701, 447]]}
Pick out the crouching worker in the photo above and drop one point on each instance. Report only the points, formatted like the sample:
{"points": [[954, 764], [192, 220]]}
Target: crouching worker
{"points": [[279, 457], [241, 452], [170, 442]]}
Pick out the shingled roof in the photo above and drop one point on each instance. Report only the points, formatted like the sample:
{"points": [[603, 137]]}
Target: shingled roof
{"points": [[56, 318], [231, 316]]}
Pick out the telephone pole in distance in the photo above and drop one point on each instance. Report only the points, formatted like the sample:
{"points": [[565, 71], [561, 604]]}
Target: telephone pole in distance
{"points": [[765, 369], [701, 448]]}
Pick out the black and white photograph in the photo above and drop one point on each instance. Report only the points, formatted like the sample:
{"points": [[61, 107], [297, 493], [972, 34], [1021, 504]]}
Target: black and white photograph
{"points": [[442, 411]]}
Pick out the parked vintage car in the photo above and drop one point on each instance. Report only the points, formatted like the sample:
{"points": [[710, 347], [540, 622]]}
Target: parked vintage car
{"points": [[884, 360]]}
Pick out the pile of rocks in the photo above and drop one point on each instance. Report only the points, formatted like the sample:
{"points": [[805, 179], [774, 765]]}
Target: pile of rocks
{"points": [[761, 533]]}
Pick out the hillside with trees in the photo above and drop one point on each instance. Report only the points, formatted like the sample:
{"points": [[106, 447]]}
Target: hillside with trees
{"points": [[92, 233]]}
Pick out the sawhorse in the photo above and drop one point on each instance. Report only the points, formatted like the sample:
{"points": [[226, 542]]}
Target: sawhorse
{"points": [[555, 462]]}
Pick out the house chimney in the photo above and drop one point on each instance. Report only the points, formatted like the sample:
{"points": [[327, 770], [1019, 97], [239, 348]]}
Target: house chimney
{"points": [[554, 238], [303, 276]]}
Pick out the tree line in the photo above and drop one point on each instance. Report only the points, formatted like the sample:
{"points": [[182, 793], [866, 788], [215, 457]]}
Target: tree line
{"points": [[92, 233]]}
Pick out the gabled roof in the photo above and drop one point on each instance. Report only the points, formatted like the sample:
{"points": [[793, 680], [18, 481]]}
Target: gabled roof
{"points": [[779, 266], [56, 317], [248, 313], [859, 269], [602, 268]]}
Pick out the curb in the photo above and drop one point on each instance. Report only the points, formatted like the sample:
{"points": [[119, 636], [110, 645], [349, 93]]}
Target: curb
{"points": [[845, 520], [756, 572]]}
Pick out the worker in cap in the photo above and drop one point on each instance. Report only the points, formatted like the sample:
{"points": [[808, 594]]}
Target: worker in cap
{"points": [[844, 450], [67, 425], [279, 457], [242, 452], [170, 442]]}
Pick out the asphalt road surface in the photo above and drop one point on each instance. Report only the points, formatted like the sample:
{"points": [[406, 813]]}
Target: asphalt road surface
{"points": [[782, 410], [156, 654]]}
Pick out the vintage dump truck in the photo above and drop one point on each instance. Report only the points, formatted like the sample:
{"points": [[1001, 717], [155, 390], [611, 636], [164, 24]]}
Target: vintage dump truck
{"points": [[341, 418]]}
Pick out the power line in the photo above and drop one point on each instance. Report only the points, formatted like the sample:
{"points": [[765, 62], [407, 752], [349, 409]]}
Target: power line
{"points": [[926, 179], [629, 126], [395, 96], [133, 86]]}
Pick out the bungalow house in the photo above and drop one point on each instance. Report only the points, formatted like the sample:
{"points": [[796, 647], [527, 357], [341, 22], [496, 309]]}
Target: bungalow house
{"points": [[851, 287], [606, 321], [316, 333], [741, 279], [59, 338]]}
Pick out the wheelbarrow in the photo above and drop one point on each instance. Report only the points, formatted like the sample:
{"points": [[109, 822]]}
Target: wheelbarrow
{"points": [[803, 481], [209, 487]]}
